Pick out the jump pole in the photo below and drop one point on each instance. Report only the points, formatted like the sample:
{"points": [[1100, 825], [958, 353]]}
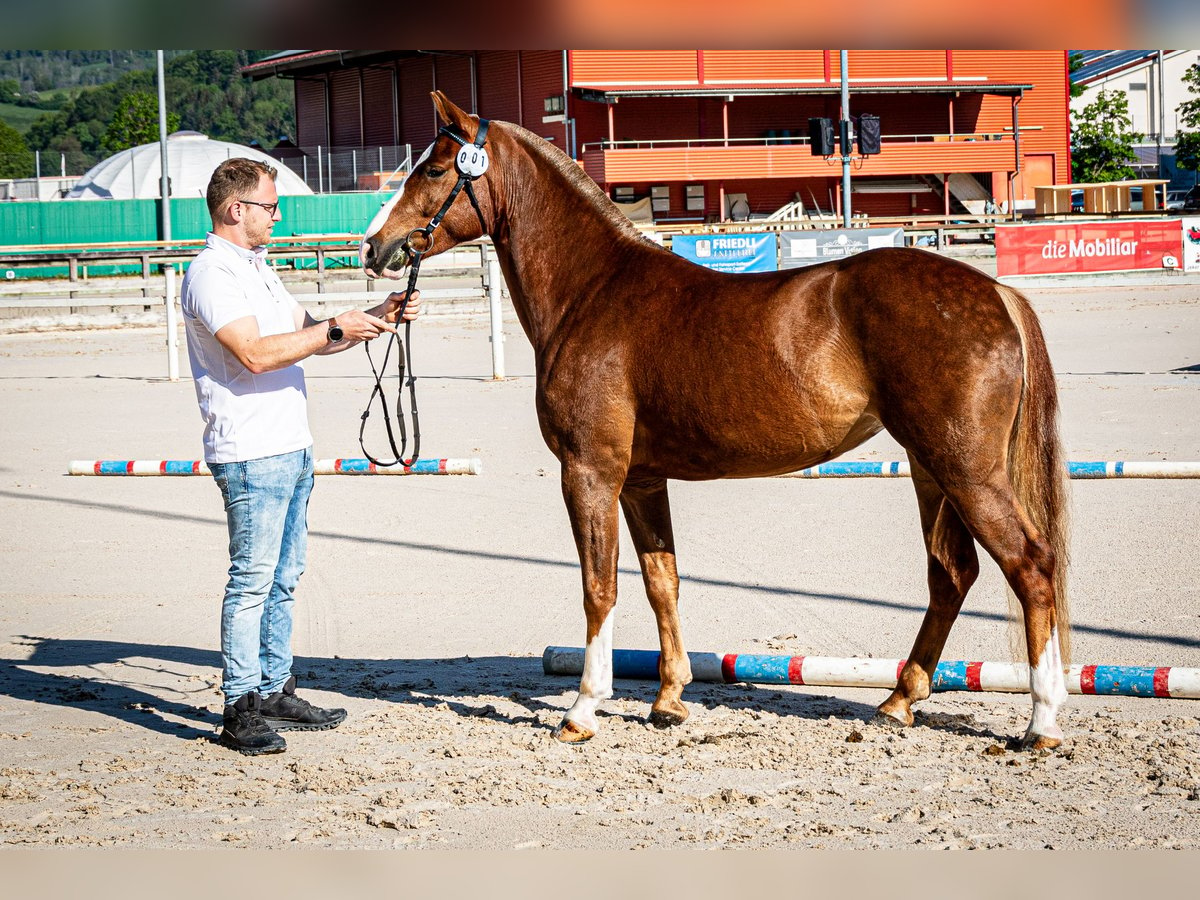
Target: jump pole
{"points": [[1082, 469], [828, 671], [472, 466]]}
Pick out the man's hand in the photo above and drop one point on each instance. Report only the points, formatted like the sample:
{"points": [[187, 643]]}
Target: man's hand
{"points": [[361, 326], [358, 326], [391, 306]]}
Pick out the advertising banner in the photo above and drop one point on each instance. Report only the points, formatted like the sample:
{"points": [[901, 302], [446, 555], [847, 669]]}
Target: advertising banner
{"points": [[1191, 244], [1069, 247], [806, 248], [729, 252]]}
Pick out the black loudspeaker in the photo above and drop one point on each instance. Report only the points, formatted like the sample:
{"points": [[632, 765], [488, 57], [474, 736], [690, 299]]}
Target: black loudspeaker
{"points": [[820, 134], [868, 134]]}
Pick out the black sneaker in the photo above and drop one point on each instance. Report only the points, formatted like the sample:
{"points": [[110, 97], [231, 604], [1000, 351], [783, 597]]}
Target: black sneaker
{"points": [[284, 711], [246, 732]]}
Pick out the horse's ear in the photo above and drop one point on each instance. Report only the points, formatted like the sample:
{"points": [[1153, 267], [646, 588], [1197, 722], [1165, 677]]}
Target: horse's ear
{"points": [[451, 114]]}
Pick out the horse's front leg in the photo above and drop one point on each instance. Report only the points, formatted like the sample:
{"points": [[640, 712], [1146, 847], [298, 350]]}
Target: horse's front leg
{"points": [[591, 498], [648, 513]]}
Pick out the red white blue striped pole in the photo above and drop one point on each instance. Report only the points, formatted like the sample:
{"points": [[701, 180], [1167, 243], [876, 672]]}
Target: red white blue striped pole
{"points": [[472, 466], [1075, 469], [827, 671]]}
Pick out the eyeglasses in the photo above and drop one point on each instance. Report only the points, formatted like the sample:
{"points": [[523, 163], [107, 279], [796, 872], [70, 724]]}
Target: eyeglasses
{"points": [[269, 207]]}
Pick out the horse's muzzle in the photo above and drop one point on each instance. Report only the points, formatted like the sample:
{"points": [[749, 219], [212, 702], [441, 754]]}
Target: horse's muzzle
{"points": [[386, 263]]}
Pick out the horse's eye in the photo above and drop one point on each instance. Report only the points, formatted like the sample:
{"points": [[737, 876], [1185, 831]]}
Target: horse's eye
{"points": [[434, 172]]}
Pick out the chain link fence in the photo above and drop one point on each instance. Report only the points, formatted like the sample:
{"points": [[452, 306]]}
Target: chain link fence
{"points": [[339, 169]]}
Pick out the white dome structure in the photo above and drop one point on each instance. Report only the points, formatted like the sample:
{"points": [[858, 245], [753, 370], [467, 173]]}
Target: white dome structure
{"points": [[136, 174]]}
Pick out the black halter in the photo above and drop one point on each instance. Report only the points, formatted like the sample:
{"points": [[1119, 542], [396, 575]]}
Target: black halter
{"points": [[415, 255]]}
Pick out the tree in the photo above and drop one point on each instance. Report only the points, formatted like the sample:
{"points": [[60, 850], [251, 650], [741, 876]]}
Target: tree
{"points": [[1187, 143], [135, 122], [16, 159], [1102, 139], [74, 158], [205, 86], [208, 86], [78, 127]]}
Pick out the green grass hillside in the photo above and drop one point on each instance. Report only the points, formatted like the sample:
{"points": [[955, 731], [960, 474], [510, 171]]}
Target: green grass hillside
{"points": [[19, 117]]}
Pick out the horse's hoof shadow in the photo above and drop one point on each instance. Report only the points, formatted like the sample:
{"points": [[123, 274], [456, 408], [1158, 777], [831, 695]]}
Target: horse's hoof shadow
{"points": [[891, 723], [663, 720]]}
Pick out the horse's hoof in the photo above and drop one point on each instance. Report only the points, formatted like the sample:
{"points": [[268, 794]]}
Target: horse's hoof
{"points": [[887, 720], [660, 719], [571, 733], [1040, 742]]}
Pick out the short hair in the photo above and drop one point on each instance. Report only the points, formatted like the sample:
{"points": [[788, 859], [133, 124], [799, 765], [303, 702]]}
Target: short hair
{"points": [[234, 179]]}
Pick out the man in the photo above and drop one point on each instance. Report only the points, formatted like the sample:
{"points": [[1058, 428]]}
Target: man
{"points": [[247, 338]]}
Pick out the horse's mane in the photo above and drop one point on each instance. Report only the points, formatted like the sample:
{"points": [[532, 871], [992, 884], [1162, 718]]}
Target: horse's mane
{"points": [[574, 175]]}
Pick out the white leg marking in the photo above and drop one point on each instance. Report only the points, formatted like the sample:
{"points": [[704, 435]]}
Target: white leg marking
{"points": [[1049, 690], [381, 217], [596, 684]]}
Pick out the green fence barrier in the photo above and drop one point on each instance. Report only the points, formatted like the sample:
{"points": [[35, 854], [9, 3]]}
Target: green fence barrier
{"points": [[28, 224]]}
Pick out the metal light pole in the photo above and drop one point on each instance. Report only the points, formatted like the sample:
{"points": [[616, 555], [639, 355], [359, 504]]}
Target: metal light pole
{"points": [[1162, 117], [844, 135], [162, 150], [168, 269]]}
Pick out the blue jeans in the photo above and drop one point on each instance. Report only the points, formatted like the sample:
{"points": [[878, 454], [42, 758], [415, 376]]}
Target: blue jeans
{"points": [[266, 506]]}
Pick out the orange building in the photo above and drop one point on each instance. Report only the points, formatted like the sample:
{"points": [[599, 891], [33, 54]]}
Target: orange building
{"points": [[695, 129]]}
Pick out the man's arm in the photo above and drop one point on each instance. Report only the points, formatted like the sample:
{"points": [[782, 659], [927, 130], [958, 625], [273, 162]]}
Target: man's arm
{"points": [[278, 351]]}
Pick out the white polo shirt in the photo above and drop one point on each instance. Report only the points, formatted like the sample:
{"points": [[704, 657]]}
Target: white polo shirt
{"points": [[246, 416]]}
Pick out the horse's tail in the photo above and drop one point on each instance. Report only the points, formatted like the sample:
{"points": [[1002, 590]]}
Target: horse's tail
{"points": [[1036, 463]]}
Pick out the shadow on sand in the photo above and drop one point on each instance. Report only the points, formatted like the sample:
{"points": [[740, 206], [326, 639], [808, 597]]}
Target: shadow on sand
{"points": [[157, 687]]}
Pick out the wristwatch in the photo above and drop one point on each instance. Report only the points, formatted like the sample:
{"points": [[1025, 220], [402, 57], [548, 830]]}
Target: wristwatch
{"points": [[335, 331]]}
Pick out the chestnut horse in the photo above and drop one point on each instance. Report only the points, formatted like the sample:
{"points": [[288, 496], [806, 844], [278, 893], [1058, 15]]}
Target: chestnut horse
{"points": [[650, 367]]}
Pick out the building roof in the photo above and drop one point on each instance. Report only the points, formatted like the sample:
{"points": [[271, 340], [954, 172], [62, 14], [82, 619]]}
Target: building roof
{"points": [[282, 55], [297, 62], [1099, 63], [285, 59], [609, 94], [290, 63], [136, 174]]}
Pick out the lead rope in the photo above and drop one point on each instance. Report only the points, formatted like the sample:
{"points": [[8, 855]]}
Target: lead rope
{"points": [[469, 168], [405, 350]]}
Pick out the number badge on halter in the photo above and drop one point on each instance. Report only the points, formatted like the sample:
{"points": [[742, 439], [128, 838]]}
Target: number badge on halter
{"points": [[471, 161]]}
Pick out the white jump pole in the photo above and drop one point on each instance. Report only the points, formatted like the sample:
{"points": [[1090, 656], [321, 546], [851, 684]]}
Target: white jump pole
{"points": [[1081, 469], [471, 466], [825, 671], [497, 319]]}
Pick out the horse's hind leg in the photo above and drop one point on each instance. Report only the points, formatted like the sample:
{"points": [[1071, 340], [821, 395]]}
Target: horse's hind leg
{"points": [[648, 513], [591, 498], [989, 508], [953, 566]]}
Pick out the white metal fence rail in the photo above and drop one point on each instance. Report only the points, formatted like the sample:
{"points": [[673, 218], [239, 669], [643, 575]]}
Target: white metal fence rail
{"points": [[480, 289]]}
